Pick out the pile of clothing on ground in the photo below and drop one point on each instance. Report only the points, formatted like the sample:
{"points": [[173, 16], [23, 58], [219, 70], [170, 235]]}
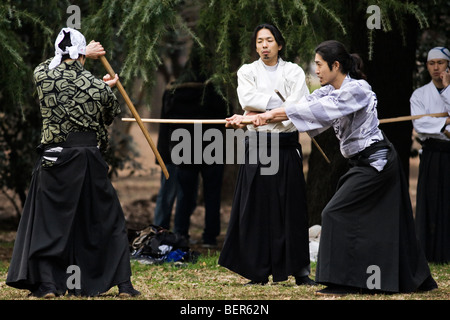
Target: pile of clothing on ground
{"points": [[156, 245]]}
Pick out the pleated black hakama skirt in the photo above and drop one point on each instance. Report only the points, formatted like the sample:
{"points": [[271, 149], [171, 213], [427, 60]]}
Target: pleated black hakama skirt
{"points": [[368, 232], [433, 200], [72, 217], [268, 228]]}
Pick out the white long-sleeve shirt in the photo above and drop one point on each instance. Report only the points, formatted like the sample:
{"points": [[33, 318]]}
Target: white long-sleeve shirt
{"points": [[426, 100], [351, 110], [256, 89]]}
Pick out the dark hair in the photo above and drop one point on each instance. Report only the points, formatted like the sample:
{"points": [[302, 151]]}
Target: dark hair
{"points": [[276, 34], [65, 42], [351, 64]]}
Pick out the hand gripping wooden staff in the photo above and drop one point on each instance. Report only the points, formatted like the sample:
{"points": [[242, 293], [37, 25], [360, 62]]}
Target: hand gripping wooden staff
{"points": [[136, 115], [312, 138]]}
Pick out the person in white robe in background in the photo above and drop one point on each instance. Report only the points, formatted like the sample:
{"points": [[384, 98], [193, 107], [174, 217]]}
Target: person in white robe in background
{"points": [[433, 98], [433, 186]]}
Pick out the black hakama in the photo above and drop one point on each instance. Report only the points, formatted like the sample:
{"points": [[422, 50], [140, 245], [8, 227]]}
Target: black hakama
{"points": [[268, 227], [433, 205], [72, 216], [369, 222]]}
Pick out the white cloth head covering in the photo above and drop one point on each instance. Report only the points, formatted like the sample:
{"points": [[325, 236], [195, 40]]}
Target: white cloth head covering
{"points": [[438, 53], [78, 46]]}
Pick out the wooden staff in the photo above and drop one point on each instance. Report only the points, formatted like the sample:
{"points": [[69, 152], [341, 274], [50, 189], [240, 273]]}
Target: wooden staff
{"points": [[407, 118], [312, 138], [220, 121], [186, 121], [136, 115]]}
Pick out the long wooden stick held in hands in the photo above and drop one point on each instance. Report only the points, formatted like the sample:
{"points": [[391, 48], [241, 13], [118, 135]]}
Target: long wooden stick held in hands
{"points": [[185, 121], [407, 118], [223, 121], [312, 138], [136, 116]]}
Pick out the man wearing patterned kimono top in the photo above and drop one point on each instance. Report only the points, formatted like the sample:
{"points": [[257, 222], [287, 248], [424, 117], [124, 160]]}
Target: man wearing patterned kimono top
{"points": [[72, 218]]}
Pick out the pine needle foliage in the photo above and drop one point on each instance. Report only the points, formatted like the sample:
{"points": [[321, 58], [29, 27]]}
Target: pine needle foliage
{"points": [[14, 50], [24, 36], [394, 14], [226, 28], [134, 34]]}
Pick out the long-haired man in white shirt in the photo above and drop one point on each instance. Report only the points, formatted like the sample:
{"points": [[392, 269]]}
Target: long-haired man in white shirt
{"points": [[268, 229]]}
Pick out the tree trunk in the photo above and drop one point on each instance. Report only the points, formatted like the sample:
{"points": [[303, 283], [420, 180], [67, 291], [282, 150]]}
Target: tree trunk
{"points": [[391, 75]]}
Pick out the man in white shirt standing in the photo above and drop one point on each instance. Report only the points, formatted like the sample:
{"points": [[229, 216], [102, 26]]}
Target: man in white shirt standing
{"points": [[433, 187], [268, 230], [258, 81]]}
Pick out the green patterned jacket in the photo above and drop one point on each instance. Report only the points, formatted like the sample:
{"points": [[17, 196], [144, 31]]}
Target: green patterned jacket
{"points": [[73, 100]]}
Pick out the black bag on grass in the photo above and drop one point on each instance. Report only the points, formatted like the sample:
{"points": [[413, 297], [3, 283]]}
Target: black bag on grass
{"points": [[157, 245]]}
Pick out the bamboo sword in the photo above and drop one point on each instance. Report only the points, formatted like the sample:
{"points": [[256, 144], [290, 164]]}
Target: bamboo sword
{"points": [[407, 118], [185, 121], [136, 116], [223, 121], [206, 121]]}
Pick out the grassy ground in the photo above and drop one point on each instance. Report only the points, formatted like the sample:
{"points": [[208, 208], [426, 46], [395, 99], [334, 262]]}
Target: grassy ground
{"points": [[206, 290], [206, 280]]}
